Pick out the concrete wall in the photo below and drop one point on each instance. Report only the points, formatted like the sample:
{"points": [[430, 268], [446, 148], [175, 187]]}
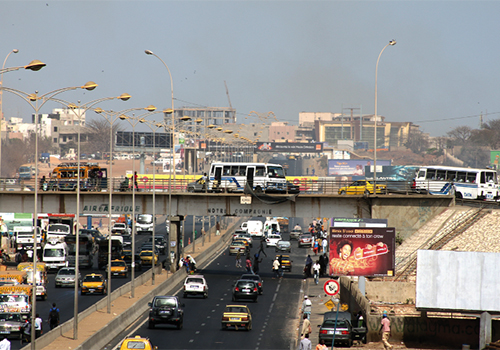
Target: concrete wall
{"points": [[406, 214], [391, 292]]}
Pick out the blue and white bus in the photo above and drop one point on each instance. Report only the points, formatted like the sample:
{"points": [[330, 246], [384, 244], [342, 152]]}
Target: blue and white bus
{"points": [[463, 182], [232, 177]]}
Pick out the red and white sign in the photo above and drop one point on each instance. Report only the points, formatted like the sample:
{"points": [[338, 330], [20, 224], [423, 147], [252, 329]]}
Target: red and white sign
{"points": [[331, 287]]}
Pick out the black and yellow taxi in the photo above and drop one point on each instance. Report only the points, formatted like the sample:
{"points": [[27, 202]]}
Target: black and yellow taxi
{"points": [[286, 262], [362, 187], [147, 257], [237, 316], [118, 268], [137, 342], [93, 283]]}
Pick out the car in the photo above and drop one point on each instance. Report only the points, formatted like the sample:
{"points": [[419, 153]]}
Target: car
{"points": [[11, 324], [118, 268], [255, 278], [272, 239], [160, 243], [93, 283], [94, 233], [127, 241], [121, 228], [286, 262], [362, 187], [195, 285], [283, 246], [295, 234], [291, 188], [149, 246], [239, 232], [127, 257], [197, 186], [166, 309], [147, 257], [345, 333], [66, 277], [246, 236], [137, 342], [245, 289], [306, 239], [237, 316], [237, 246], [144, 223]]}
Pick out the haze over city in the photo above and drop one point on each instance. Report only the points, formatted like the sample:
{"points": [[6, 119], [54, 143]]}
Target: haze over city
{"points": [[279, 56]]}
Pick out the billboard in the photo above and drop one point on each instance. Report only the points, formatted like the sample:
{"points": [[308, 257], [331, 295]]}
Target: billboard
{"points": [[289, 147], [362, 251], [352, 167], [358, 222], [393, 172]]}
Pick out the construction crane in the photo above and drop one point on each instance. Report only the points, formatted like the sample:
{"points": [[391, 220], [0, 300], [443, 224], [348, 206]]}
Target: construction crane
{"points": [[227, 93]]}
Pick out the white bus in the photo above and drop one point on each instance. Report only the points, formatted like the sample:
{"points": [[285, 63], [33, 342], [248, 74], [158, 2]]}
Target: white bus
{"points": [[464, 182], [232, 177]]}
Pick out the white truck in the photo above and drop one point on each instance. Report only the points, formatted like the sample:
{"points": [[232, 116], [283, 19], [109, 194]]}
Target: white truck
{"points": [[255, 228], [25, 238], [58, 231], [144, 223], [55, 254]]}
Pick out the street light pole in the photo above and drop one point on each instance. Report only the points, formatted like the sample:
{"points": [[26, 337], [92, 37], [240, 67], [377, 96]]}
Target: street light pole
{"points": [[391, 43], [172, 151]]}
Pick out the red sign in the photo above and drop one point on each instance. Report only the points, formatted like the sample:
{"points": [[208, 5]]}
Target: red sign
{"points": [[145, 179], [362, 251], [331, 287]]}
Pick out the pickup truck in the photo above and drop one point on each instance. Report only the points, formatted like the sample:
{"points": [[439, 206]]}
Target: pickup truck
{"points": [[120, 228], [345, 332]]}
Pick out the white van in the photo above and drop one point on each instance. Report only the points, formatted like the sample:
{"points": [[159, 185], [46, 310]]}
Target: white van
{"points": [[244, 226], [271, 226], [255, 228], [55, 254]]}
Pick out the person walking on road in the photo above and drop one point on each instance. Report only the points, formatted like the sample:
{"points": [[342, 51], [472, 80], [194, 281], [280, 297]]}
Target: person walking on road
{"points": [[321, 345], [261, 247], [53, 320], [276, 267], [38, 326], [256, 262], [385, 329], [316, 268], [248, 265], [306, 307], [305, 344], [306, 327], [238, 259]]}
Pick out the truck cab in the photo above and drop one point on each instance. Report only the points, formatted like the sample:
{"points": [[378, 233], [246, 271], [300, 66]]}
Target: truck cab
{"points": [[58, 231], [144, 223]]}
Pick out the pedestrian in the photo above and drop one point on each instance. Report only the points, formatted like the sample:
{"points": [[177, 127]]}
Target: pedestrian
{"points": [[385, 329], [248, 265], [53, 320], [316, 267], [38, 326], [256, 262], [321, 345], [217, 229], [135, 181], [276, 267], [306, 326], [306, 307], [305, 344], [315, 247], [261, 246], [238, 258], [5, 343], [307, 268], [26, 338], [324, 243]]}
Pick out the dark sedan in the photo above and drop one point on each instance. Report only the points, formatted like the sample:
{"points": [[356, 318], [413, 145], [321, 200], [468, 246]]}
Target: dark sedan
{"points": [[255, 278], [245, 289]]}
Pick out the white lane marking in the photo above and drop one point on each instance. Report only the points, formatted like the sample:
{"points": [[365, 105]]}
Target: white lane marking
{"points": [[191, 340], [278, 287], [197, 332], [202, 324], [274, 297]]}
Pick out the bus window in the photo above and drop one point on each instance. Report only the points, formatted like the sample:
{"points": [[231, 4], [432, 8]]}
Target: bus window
{"points": [[235, 170], [260, 171], [487, 177], [276, 171], [451, 175], [471, 177], [431, 174], [226, 171], [461, 176], [243, 170]]}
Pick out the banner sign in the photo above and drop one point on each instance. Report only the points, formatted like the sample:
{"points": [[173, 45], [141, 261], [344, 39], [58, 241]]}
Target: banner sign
{"points": [[352, 167], [289, 147], [362, 251], [358, 222]]}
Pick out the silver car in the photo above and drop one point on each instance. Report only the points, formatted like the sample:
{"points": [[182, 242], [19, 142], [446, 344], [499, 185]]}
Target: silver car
{"points": [[66, 277], [11, 325], [283, 246]]}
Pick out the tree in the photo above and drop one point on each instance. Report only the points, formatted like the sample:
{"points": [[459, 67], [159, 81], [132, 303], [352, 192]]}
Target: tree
{"points": [[98, 135], [461, 134], [417, 142]]}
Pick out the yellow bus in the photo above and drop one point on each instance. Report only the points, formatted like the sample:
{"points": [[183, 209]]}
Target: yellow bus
{"points": [[64, 177]]}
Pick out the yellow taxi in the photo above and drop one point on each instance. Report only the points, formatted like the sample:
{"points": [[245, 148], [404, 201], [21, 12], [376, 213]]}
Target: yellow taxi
{"points": [[137, 342], [286, 262], [362, 187], [118, 268], [237, 316], [93, 283], [147, 257]]}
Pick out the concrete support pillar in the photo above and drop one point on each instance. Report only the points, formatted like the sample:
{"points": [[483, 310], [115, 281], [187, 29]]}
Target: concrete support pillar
{"points": [[175, 241], [484, 330]]}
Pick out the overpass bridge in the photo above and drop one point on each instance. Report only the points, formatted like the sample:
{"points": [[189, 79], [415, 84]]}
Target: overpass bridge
{"points": [[405, 212]]}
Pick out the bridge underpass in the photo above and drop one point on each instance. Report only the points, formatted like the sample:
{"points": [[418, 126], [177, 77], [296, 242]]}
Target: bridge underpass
{"points": [[406, 213]]}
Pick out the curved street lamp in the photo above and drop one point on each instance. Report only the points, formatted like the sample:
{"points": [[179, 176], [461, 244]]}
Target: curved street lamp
{"points": [[172, 151], [33, 101], [79, 110], [391, 43]]}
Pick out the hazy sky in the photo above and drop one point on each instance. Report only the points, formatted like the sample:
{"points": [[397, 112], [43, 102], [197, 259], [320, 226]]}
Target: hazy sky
{"points": [[279, 56]]}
